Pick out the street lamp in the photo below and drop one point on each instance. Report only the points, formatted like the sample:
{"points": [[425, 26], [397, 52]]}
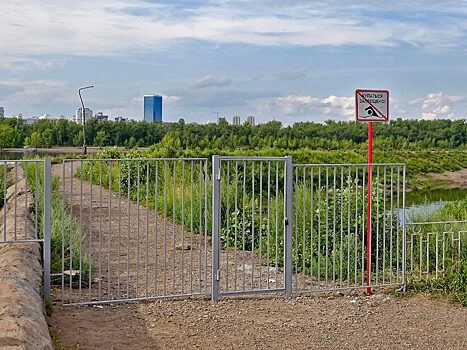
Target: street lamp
{"points": [[84, 116]]}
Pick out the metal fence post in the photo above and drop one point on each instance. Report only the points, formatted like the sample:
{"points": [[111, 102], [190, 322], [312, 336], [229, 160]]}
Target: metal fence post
{"points": [[216, 211], [47, 225], [288, 226], [404, 238]]}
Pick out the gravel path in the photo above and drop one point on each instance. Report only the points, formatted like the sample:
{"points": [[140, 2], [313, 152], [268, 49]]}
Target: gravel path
{"points": [[335, 321]]}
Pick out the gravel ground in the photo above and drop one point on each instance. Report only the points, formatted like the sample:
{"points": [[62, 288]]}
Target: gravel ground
{"points": [[320, 321]]}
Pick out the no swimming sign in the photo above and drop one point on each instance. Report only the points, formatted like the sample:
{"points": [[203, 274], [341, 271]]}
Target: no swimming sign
{"points": [[372, 105]]}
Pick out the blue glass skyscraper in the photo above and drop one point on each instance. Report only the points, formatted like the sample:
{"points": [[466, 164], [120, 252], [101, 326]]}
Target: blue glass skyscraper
{"points": [[152, 108]]}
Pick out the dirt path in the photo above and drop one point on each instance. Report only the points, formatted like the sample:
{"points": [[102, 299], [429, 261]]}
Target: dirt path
{"points": [[350, 320], [312, 322]]}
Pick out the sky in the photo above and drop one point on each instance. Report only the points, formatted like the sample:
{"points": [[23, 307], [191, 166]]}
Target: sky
{"points": [[290, 61]]}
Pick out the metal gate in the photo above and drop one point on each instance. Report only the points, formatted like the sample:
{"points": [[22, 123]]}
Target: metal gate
{"points": [[251, 225], [133, 229]]}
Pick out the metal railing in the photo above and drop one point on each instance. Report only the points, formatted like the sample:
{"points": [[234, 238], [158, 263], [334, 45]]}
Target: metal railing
{"points": [[331, 227], [139, 229], [25, 188], [435, 248]]}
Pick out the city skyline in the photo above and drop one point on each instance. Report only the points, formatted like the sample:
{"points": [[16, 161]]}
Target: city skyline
{"points": [[290, 62]]}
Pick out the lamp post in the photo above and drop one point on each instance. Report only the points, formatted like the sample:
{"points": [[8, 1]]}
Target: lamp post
{"points": [[84, 117]]}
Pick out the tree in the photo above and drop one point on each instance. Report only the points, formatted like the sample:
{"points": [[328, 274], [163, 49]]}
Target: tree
{"points": [[6, 136], [101, 139], [35, 140]]}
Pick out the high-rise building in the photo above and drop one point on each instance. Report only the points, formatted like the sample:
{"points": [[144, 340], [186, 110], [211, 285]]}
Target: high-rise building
{"points": [[250, 120], [2, 112], [152, 108], [79, 115], [101, 116], [236, 120]]}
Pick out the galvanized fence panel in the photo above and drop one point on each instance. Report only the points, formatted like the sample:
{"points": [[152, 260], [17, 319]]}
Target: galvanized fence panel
{"points": [[137, 229], [330, 249], [25, 188], [249, 225], [435, 248]]}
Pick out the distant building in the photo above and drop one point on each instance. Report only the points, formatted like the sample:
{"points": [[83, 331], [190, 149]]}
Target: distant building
{"points": [[250, 120], [79, 115], [121, 119], [152, 108], [101, 116], [2, 112], [220, 119], [236, 120]]}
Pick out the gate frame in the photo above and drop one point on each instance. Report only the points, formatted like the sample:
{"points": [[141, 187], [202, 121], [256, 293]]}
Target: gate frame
{"points": [[216, 224]]}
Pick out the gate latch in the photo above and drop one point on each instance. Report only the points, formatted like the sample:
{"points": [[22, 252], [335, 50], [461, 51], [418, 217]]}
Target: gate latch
{"points": [[218, 275], [286, 221]]}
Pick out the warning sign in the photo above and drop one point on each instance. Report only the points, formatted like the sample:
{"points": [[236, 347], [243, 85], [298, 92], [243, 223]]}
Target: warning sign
{"points": [[372, 105]]}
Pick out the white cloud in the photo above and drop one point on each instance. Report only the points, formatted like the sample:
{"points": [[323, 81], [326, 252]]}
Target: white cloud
{"points": [[211, 81], [438, 105], [105, 27]]}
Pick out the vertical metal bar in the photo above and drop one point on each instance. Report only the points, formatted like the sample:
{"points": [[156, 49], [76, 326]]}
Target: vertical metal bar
{"points": [[384, 224], [227, 216], [342, 228], [26, 203], [147, 227], [391, 226], [63, 231], [192, 214], [349, 179], [327, 224], [398, 225], [183, 228], [277, 224], [243, 224], [174, 224], [319, 227], [269, 222], [236, 222], [156, 219], [304, 228], [71, 231], [100, 228], [47, 224], [109, 254], [206, 224], [128, 233], [404, 242], [5, 164], [363, 226], [288, 226], [312, 213], [16, 194], [216, 199], [90, 225], [253, 225], [200, 221], [36, 198], [377, 226], [260, 220], [80, 230], [165, 228], [138, 179], [334, 234], [295, 262], [119, 223], [356, 226]]}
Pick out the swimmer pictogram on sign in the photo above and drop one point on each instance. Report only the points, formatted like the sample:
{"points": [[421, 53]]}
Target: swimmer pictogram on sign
{"points": [[372, 105]]}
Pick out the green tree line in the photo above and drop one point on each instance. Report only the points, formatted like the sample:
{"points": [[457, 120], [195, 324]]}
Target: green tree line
{"points": [[397, 134]]}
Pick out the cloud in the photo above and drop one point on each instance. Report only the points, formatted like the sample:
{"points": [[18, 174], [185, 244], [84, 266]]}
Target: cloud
{"points": [[291, 74], [438, 105], [211, 81], [107, 27]]}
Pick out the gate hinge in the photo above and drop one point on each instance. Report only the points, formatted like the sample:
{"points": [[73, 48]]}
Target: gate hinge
{"points": [[218, 275], [218, 177]]}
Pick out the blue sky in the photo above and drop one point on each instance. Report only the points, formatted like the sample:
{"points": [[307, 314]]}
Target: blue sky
{"points": [[284, 60]]}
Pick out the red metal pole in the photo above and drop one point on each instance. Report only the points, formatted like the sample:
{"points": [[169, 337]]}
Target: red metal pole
{"points": [[368, 238]]}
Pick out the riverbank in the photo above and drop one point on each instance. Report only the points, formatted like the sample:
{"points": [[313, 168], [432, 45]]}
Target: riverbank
{"points": [[445, 180]]}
